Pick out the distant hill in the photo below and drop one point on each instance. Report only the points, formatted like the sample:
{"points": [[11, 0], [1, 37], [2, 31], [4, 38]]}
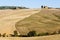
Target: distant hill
{"points": [[57, 8], [12, 7], [47, 20]]}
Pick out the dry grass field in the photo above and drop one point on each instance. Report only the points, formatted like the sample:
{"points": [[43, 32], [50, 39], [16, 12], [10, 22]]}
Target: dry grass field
{"points": [[47, 20], [44, 20], [8, 18]]}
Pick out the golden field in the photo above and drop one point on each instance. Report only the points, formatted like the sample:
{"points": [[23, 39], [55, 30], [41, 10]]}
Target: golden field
{"points": [[46, 20], [8, 18], [41, 20]]}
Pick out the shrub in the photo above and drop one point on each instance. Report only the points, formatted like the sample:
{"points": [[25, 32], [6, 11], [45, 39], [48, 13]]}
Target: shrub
{"points": [[0, 34], [31, 33], [12, 35], [46, 33], [43, 34], [22, 36], [4, 35], [15, 34]]}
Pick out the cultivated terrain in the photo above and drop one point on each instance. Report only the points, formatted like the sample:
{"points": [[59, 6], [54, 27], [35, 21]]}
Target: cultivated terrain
{"points": [[47, 20], [40, 20], [8, 18]]}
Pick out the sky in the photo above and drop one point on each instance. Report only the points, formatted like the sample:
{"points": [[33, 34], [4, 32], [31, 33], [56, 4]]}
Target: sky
{"points": [[31, 3]]}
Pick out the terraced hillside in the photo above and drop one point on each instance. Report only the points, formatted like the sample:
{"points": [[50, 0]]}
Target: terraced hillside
{"points": [[8, 18], [47, 20]]}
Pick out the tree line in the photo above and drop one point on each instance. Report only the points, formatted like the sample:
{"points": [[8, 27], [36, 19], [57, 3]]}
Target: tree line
{"points": [[12, 7], [29, 34]]}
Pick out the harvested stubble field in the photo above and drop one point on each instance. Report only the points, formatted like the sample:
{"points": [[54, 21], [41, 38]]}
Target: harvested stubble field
{"points": [[48, 17], [8, 18], [47, 20]]}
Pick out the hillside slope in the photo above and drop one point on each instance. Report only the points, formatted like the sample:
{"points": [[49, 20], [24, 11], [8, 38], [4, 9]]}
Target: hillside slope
{"points": [[8, 18], [47, 20]]}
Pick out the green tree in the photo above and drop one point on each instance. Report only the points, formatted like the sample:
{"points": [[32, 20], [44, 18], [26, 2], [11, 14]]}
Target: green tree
{"points": [[31, 33], [15, 33], [42, 6]]}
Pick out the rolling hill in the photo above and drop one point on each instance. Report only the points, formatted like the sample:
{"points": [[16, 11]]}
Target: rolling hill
{"points": [[8, 18], [25, 20], [47, 20]]}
